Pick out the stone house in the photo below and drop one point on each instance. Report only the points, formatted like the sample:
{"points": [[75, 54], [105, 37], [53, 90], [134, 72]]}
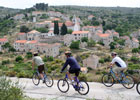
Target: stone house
{"points": [[46, 35], [106, 38], [20, 45], [30, 45], [135, 43], [19, 17], [43, 24], [70, 25], [113, 33], [90, 17], [38, 13], [48, 49], [21, 36], [54, 14], [78, 35], [33, 35], [91, 62], [2, 42]]}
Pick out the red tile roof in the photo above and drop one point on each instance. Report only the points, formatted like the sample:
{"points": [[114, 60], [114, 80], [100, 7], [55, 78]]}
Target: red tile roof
{"points": [[69, 23], [103, 35], [80, 32], [32, 42], [3, 40], [33, 31], [21, 41], [21, 33], [134, 39]]}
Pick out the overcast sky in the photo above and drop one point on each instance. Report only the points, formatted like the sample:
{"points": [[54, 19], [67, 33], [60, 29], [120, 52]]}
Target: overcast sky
{"points": [[102, 3]]}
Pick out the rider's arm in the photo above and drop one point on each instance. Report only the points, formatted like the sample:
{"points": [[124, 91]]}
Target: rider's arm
{"points": [[65, 65]]}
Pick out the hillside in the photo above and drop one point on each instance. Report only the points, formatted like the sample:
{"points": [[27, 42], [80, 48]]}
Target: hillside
{"points": [[6, 11]]}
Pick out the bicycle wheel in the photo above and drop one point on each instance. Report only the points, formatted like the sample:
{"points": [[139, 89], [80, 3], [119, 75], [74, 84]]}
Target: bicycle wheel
{"points": [[138, 88], [63, 85], [83, 88], [35, 79], [108, 80], [49, 81], [128, 82]]}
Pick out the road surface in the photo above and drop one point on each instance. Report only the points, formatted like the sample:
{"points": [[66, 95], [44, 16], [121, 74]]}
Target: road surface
{"points": [[97, 91]]}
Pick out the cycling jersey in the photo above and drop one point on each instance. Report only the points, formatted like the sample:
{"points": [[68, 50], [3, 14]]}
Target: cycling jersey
{"points": [[38, 60], [71, 61], [119, 62]]}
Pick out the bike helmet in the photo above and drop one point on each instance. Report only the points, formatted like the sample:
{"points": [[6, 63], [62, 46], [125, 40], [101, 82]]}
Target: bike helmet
{"points": [[68, 53], [113, 54]]}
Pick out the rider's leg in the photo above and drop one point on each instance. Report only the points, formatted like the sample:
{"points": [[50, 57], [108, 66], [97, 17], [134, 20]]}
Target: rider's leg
{"points": [[69, 76], [41, 69]]}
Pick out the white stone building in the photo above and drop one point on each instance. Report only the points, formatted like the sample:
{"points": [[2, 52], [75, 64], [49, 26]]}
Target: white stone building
{"points": [[33, 35], [20, 45], [22, 36], [2, 42], [19, 17], [78, 35]]}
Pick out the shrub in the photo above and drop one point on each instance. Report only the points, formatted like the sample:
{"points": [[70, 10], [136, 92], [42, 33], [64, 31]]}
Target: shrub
{"points": [[91, 43], [5, 62], [50, 58], [134, 59], [135, 50], [29, 55], [101, 60], [82, 77], [19, 59], [75, 45], [84, 39], [10, 90]]}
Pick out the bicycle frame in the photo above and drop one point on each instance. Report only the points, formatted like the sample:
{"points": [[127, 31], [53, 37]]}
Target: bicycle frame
{"points": [[122, 75], [75, 79]]}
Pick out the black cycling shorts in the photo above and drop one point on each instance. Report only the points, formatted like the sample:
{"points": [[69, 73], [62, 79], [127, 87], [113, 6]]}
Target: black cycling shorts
{"points": [[76, 71], [41, 68]]}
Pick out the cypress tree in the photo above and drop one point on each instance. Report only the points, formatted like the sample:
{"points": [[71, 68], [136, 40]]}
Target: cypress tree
{"points": [[64, 29], [56, 28]]}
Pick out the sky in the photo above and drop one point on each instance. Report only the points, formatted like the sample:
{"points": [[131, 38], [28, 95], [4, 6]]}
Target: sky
{"points": [[22, 4]]}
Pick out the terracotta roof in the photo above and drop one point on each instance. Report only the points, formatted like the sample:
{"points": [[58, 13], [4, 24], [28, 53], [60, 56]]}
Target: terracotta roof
{"points": [[115, 33], [21, 33], [32, 42], [91, 16], [50, 31], [80, 32], [69, 23], [134, 39], [3, 40], [33, 31], [56, 19], [60, 24], [125, 37], [103, 35], [21, 41]]}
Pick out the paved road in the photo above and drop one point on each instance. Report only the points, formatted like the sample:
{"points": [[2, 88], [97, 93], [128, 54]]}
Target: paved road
{"points": [[97, 91]]}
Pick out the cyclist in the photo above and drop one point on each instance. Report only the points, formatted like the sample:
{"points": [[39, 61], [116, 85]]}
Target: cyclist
{"points": [[74, 66], [37, 60], [120, 64]]}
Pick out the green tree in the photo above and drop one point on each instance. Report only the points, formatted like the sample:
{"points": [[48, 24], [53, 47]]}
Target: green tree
{"points": [[112, 45], [135, 50], [64, 29], [75, 45], [91, 43], [56, 28], [19, 59], [84, 39], [29, 55], [42, 30], [70, 31], [24, 29]]}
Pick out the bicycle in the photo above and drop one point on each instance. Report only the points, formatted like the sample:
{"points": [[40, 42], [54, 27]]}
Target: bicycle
{"points": [[126, 80], [138, 88], [36, 79], [80, 86]]}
